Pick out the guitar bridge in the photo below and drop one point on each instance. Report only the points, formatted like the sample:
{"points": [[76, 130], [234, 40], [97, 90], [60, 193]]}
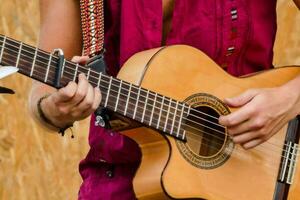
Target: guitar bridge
{"points": [[288, 162]]}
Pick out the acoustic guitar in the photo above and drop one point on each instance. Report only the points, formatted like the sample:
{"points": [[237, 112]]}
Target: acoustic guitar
{"points": [[176, 93]]}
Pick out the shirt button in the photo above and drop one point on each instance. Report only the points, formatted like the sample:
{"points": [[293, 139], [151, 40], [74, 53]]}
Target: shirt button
{"points": [[109, 173], [224, 65], [230, 51], [111, 133]]}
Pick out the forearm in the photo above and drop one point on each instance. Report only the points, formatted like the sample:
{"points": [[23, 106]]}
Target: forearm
{"points": [[59, 28]]}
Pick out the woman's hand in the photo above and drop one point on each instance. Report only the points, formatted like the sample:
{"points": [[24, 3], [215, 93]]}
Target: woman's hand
{"points": [[263, 112], [73, 102]]}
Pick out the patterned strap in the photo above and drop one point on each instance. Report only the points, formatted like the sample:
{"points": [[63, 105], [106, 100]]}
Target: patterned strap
{"points": [[92, 22]]}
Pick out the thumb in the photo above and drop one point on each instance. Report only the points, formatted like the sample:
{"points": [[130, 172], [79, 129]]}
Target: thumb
{"points": [[242, 99]]}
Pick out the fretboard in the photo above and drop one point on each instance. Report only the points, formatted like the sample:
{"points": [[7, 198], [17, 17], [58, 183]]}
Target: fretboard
{"points": [[147, 107]]}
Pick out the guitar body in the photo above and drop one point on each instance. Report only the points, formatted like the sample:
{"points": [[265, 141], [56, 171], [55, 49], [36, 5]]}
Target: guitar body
{"points": [[198, 168]]}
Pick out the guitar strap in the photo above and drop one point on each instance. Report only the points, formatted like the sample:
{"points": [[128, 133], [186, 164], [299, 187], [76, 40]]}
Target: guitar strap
{"points": [[92, 24]]}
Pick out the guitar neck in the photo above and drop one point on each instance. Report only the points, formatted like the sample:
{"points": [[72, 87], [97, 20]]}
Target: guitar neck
{"points": [[147, 107]]}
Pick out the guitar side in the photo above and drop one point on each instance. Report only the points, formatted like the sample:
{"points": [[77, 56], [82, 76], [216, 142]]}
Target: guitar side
{"points": [[179, 72]]}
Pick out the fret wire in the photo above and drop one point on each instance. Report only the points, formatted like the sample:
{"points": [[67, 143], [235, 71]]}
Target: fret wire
{"points": [[188, 112], [33, 63], [118, 96], [46, 77], [144, 110], [26, 61], [180, 121], [99, 79], [151, 117], [19, 54], [75, 74], [63, 68], [2, 50], [160, 112], [285, 161], [173, 121], [114, 91], [88, 74], [167, 115], [108, 92], [129, 94], [70, 72], [137, 101]]}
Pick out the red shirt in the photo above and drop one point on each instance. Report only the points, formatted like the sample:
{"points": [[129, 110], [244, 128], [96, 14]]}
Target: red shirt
{"points": [[237, 34]]}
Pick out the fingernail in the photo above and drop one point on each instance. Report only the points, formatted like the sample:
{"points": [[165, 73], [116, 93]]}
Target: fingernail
{"points": [[82, 75], [97, 89], [75, 59]]}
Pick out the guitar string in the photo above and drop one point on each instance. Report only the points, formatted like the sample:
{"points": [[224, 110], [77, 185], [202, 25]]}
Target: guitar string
{"points": [[238, 152], [125, 89], [192, 127], [177, 116], [52, 61], [217, 124], [200, 124]]}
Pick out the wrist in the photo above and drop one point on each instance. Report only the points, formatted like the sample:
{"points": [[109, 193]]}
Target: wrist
{"points": [[43, 109], [291, 94]]}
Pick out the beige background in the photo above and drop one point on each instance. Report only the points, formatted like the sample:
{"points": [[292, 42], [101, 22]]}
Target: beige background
{"points": [[35, 164]]}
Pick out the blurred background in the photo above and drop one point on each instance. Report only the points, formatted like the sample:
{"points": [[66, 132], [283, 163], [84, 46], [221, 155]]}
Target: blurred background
{"points": [[35, 164]]}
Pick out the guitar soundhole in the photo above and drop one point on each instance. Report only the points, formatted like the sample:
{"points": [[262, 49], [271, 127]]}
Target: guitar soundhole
{"points": [[205, 136], [207, 144]]}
